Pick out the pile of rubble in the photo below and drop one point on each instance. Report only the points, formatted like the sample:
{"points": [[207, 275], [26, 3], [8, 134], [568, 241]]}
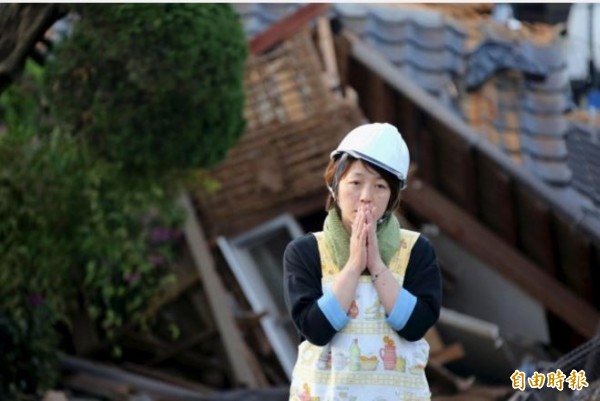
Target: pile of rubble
{"points": [[223, 350]]}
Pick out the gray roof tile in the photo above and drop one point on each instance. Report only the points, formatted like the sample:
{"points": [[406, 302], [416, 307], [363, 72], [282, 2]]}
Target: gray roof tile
{"points": [[435, 82], [494, 55], [544, 125], [552, 171], [553, 81], [355, 18], [547, 102], [522, 113], [420, 37], [426, 38], [422, 43], [583, 144], [551, 55], [402, 52], [544, 147], [425, 18]]}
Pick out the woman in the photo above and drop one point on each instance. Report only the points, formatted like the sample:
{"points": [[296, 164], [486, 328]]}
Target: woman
{"points": [[363, 292]]}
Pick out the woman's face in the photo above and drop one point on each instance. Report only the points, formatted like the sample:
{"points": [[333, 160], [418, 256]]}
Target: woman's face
{"points": [[362, 187]]}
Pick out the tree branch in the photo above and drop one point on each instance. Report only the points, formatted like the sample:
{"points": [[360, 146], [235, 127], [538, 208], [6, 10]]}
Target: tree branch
{"points": [[21, 27]]}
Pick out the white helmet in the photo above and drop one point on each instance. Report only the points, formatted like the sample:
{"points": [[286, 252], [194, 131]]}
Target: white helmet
{"points": [[380, 144]]}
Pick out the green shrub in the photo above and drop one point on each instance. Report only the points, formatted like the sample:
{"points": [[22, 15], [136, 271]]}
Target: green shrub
{"points": [[153, 86], [28, 344], [98, 144], [21, 104], [75, 234]]}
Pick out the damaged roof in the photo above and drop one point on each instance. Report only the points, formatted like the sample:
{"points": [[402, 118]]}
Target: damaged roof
{"points": [[511, 86]]}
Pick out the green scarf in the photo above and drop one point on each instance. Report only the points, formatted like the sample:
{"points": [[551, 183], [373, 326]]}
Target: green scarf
{"points": [[338, 239]]}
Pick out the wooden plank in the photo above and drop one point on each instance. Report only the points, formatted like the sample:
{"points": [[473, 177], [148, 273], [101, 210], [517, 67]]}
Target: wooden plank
{"points": [[409, 123], [217, 300], [167, 378], [328, 52], [342, 53], [99, 386], [447, 354], [576, 260], [427, 158], [381, 105], [455, 167], [130, 380], [492, 250], [536, 232], [497, 200], [286, 27], [357, 71], [52, 395]]}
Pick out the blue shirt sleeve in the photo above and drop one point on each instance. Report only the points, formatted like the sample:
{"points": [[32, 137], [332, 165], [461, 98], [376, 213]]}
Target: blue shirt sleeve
{"points": [[403, 308], [333, 311]]}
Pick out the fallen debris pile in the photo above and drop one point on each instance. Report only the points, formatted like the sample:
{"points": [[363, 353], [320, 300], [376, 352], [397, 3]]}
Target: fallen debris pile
{"points": [[220, 350]]}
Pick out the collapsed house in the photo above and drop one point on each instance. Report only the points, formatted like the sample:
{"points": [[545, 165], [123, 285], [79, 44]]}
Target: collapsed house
{"points": [[504, 181]]}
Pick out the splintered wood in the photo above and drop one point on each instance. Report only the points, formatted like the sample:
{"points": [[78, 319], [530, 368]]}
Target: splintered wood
{"points": [[293, 122], [284, 86]]}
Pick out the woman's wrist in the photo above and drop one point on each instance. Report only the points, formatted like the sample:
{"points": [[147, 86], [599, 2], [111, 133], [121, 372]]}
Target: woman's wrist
{"points": [[375, 276], [377, 268], [355, 268]]}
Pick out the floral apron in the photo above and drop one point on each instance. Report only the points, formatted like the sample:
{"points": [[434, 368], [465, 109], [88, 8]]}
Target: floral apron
{"points": [[367, 360]]}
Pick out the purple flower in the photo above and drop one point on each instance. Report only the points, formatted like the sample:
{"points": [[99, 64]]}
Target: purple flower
{"points": [[160, 235], [35, 300], [132, 278], [156, 259]]}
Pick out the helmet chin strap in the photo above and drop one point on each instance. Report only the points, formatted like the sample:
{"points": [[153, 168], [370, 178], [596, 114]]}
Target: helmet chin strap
{"points": [[336, 177], [338, 171], [388, 212], [332, 193]]}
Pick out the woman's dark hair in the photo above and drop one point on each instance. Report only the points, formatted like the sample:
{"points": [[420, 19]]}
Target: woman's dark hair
{"points": [[391, 180]]}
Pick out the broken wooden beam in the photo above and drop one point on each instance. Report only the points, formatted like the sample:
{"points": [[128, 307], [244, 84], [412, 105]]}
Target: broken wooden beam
{"points": [[447, 354], [99, 386], [328, 52], [494, 251], [217, 301], [286, 27], [124, 381]]}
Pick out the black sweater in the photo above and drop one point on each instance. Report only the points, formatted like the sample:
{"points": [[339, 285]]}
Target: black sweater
{"points": [[302, 290]]}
